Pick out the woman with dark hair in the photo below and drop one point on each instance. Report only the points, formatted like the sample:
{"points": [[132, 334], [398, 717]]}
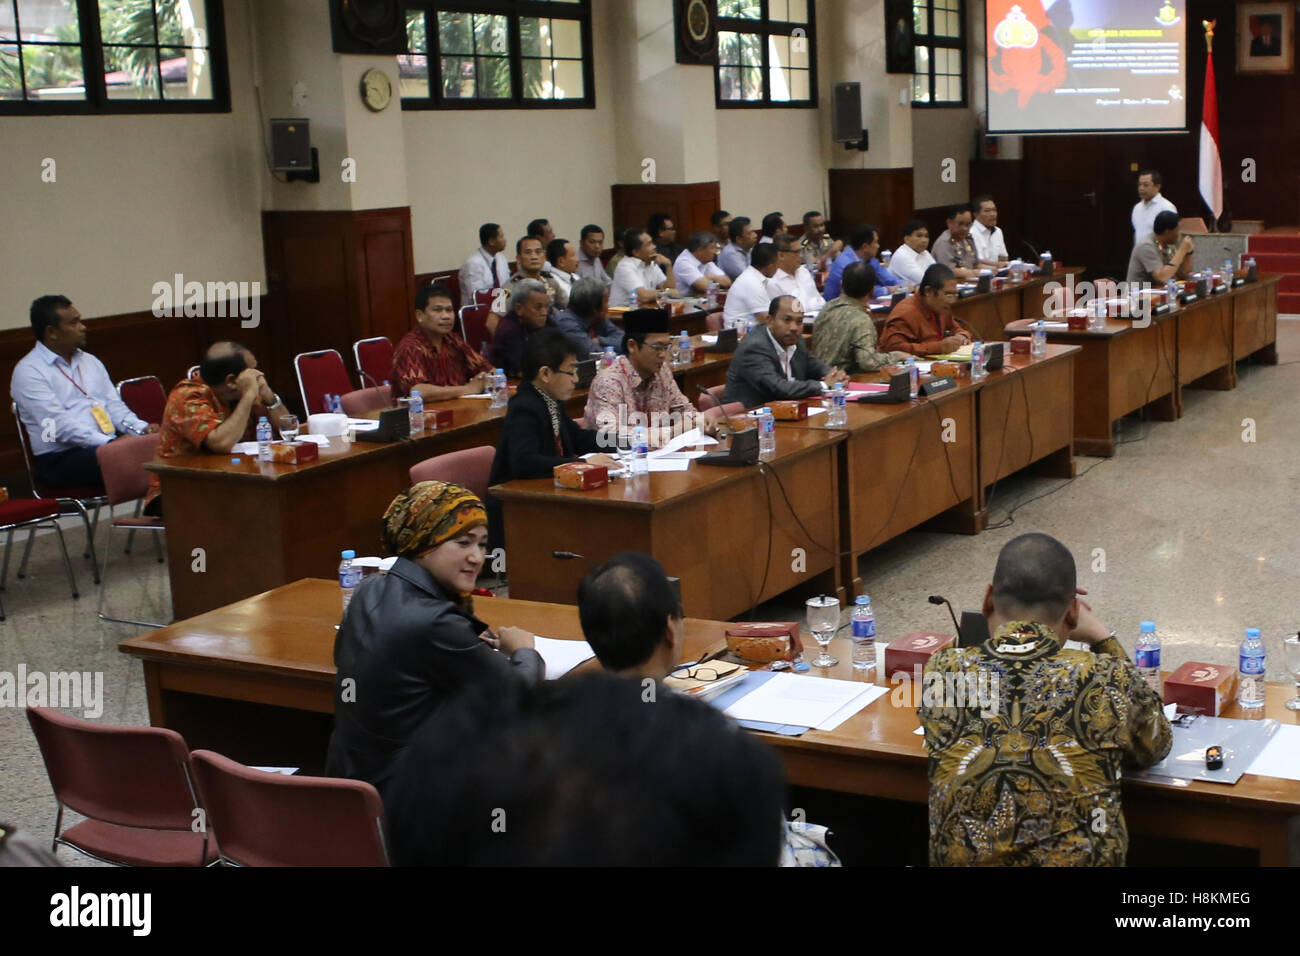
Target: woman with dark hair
{"points": [[409, 641]]}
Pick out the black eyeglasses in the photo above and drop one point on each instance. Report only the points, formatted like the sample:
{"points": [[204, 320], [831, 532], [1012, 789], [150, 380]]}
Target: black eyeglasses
{"points": [[703, 674]]}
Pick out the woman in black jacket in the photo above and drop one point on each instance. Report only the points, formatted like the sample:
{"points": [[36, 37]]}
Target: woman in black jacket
{"points": [[410, 641]]}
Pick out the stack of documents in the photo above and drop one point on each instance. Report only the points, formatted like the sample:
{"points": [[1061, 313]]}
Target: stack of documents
{"points": [[793, 703]]}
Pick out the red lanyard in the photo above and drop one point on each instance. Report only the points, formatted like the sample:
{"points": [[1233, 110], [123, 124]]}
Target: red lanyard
{"points": [[79, 388]]}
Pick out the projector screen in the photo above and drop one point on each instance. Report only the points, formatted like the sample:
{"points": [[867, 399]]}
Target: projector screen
{"points": [[1086, 65]]}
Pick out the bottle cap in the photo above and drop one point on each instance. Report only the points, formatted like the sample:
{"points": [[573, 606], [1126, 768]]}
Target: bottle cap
{"points": [[863, 599], [1147, 627], [261, 419], [1252, 632], [349, 553]]}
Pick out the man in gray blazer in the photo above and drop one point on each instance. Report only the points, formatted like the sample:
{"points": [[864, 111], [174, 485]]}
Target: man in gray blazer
{"points": [[772, 363]]}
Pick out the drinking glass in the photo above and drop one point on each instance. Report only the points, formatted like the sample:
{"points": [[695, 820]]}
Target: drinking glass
{"points": [[1291, 646], [289, 427], [824, 621]]}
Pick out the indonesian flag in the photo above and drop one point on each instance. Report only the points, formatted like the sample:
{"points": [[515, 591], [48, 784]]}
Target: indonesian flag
{"points": [[1211, 177]]}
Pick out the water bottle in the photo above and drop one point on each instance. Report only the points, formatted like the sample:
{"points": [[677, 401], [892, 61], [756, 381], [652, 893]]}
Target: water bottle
{"points": [[1046, 262], [977, 370], [640, 451], [263, 439], [1228, 271], [609, 356], [711, 297], [766, 431], [1250, 674], [913, 378], [1013, 269], [1039, 345], [416, 412], [864, 633], [1148, 657], [885, 256], [1250, 263], [685, 353], [500, 389], [1171, 292], [839, 410], [349, 577]]}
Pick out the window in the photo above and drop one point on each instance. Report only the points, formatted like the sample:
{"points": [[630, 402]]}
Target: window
{"points": [[112, 56], [766, 53], [940, 73], [507, 54]]}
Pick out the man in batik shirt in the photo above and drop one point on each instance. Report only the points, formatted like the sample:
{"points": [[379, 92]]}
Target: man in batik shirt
{"points": [[1027, 740], [432, 358]]}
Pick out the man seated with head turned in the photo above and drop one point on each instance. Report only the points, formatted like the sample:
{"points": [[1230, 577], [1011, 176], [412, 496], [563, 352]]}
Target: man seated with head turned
{"points": [[1161, 255], [772, 363], [216, 409], [844, 334], [1025, 769], [923, 323]]}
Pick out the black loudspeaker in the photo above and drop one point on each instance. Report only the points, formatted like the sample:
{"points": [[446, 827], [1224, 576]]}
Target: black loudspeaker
{"points": [[900, 37], [846, 113], [290, 145], [697, 31], [368, 26]]}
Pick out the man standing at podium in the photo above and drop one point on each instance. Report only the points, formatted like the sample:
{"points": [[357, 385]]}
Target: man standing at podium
{"points": [[1150, 204]]}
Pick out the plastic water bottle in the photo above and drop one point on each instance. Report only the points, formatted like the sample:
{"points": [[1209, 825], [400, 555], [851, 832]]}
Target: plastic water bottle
{"points": [[416, 412], [838, 414], [913, 378], [1228, 271], [263, 439], [711, 296], [640, 451], [1250, 263], [349, 577], [685, 353], [885, 256], [864, 633], [609, 356], [500, 389], [1148, 657], [1014, 269], [1250, 673], [1046, 262], [1039, 345], [766, 431], [977, 370]]}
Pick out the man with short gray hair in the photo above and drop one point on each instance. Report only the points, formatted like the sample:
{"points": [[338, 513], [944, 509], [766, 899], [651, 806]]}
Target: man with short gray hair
{"points": [[529, 311]]}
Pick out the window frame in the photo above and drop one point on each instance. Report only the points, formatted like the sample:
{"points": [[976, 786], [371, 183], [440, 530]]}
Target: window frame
{"points": [[512, 10], [932, 43], [98, 102], [766, 28]]}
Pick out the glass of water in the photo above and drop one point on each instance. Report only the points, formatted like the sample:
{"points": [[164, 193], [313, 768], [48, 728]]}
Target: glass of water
{"points": [[824, 621], [1291, 647], [289, 427]]}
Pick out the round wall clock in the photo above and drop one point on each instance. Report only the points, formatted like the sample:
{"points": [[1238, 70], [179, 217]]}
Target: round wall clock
{"points": [[376, 90]]}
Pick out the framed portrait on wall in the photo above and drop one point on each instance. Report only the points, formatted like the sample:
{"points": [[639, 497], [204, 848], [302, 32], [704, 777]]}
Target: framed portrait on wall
{"points": [[1265, 37]]}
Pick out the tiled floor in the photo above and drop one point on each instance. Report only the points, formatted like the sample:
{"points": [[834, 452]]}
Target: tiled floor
{"points": [[1196, 526]]}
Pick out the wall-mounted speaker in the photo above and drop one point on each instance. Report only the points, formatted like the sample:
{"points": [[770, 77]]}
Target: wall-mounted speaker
{"points": [[290, 145], [846, 115]]}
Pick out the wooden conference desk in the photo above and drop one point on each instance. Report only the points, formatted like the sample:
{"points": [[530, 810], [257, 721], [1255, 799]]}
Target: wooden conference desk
{"points": [[935, 458], [735, 536], [1123, 367], [255, 682], [236, 529]]}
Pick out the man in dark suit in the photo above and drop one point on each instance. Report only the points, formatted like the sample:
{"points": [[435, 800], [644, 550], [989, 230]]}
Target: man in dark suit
{"points": [[1266, 42], [538, 433], [772, 363]]}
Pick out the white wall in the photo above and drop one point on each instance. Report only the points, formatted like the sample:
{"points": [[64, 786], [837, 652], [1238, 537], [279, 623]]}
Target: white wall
{"points": [[770, 160], [136, 200]]}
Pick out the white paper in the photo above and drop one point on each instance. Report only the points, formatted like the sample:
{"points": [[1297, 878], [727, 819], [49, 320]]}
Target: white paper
{"points": [[244, 448], [816, 410], [799, 700], [363, 424], [684, 440], [709, 339], [287, 771], [1281, 755], [562, 656], [485, 395], [924, 367], [684, 455], [1051, 325], [669, 464], [870, 693], [317, 439]]}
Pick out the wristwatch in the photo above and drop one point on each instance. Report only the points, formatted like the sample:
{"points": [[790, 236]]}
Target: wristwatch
{"points": [[274, 404]]}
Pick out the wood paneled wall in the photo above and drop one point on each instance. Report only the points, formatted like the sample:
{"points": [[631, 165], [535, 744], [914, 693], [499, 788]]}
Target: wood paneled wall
{"points": [[689, 204]]}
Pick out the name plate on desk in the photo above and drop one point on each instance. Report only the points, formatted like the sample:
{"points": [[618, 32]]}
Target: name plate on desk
{"points": [[966, 293], [1238, 280], [1161, 309], [945, 383], [1215, 290], [1187, 298]]}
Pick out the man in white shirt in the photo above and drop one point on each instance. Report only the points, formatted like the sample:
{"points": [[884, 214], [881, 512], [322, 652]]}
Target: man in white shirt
{"points": [[792, 276], [695, 268], [990, 241], [640, 275], [66, 400], [563, 260], [591, 243], [912, 258], [487, 267], [773, 226], [734, 258], [748, 299], [1149, 205]]}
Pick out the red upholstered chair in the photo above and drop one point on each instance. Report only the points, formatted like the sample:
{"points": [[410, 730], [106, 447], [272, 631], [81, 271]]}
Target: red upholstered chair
{"points": [[484, 296], [473, 325], [269, 819], [319, 374], [145, 396], [192, 372], [712, 397], [122, 463], [356, 404], [85, 502], [468, 468], [19, 513], [723, 411], [374, 360], [132, 783], [714, 321]]}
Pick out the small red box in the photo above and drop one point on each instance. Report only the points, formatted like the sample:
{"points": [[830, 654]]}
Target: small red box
{"points": [[435, 418], [1020, 345], [699, 353], [580, 476], [764, 643], [913, 650], [1201, 688], [296, 453], [1076, 319], [789, 411]]}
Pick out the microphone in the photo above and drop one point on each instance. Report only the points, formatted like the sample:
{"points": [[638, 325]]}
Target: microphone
{"points": [[568, 556], [1026, 243], [939, 599]]}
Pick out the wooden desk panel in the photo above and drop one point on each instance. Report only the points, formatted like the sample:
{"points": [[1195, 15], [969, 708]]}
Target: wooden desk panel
{"points": [[1026, 416], [708, 526], [1205, 344], [1254, 320]]}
